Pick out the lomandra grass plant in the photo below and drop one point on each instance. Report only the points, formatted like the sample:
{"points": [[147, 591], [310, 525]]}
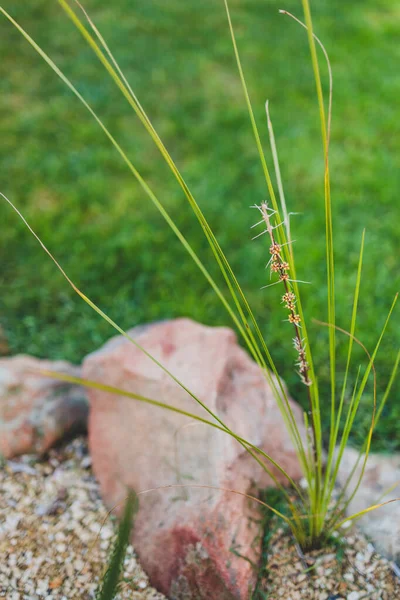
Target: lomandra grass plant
{"points": [[312, 516]]}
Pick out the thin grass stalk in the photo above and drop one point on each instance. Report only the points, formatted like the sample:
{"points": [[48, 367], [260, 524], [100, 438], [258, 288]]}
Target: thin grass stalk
{"points": [[255, 350], [359, 514], [117, 391], [353, 409], [227, 490], [244, 331], [282, 269], [388, 491], [128, 337], [328, 487], [330, 75], [280, 188], [128, 93], [328, 216], [337, 510], [363, 448], [330, 483], [241, 304], [106, 131], [314, 403], [210, 236], [281, 237], [388, 388], [282, 199], [364, 464], [378, 415], [147, 189]]}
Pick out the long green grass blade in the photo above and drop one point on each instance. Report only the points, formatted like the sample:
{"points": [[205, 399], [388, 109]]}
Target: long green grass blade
{"points": [[315, 477], [132, 340], [283, 405], [385, 396], [282, 199], [120, 392], [223, 263], [313, 392], [378, 414], [330, 75], [361, 513], [110, 582], [328, 213], [333, 440], [353, 411], [245, 332], [121, 82]]}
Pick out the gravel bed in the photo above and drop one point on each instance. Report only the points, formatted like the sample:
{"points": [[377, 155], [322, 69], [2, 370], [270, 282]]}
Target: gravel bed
{"points": [[349, 570], [55, 534]]}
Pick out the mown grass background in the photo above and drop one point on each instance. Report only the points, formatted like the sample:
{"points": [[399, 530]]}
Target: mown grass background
{"points": [[59, 169]]}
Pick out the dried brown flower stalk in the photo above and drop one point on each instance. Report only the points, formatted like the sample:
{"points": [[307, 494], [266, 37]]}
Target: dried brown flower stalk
{"points": [[282, 268]]}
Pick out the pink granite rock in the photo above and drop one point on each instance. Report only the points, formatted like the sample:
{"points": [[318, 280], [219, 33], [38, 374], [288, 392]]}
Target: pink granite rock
{"points": [[37, 411], [188, 539]]}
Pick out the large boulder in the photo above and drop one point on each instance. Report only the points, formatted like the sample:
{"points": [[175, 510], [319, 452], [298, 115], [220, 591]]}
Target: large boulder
{"points": [[37, 411], [193, 542], [381, 483]]}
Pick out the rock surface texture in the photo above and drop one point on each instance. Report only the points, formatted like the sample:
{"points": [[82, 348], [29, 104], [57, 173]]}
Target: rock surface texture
{"points": [[382, 525], [37, 411], [189, 539]]}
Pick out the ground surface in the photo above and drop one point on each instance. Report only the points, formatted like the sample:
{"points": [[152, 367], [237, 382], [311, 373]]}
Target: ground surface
{"points": [[70, 184], [55, 533], [349, 571], [56, 536]]}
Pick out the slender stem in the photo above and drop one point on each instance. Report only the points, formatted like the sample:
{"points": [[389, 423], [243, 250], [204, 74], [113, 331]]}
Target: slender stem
{"points": [[281, 268]]}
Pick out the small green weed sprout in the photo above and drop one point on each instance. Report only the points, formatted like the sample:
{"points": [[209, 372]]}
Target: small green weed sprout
{"points": [[310, 516], [111, 578]]}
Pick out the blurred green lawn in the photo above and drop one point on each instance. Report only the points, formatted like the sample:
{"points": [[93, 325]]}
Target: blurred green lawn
{"points": [[59, 169]]}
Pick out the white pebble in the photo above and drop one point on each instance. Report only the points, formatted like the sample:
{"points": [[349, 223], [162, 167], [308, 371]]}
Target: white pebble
{"points": [[106, 533], [86, 462], [79, 564], [360, 557]]}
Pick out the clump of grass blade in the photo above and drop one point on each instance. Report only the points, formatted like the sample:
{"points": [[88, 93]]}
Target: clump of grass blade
{"points": [[312, 518]]}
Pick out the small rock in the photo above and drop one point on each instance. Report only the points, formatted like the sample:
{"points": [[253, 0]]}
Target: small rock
{"points": [[86, 462], [187, 539], [79, 564], [20, 467], [106, 533], [36, 411], [360, 557]]}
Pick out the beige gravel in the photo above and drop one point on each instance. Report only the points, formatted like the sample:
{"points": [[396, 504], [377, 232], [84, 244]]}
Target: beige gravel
{"points": [[351, 570], [55, 534], [55, 537]]}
